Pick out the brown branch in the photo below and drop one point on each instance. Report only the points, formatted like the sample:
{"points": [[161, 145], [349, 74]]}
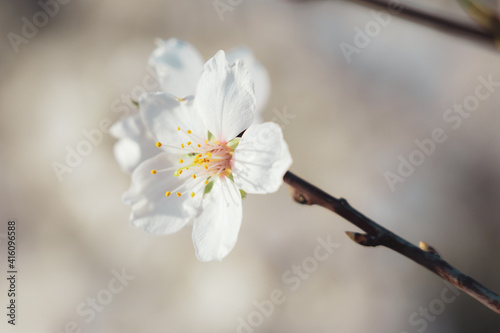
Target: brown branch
{"points": [[444, 24], [450, 26], [376, 235]]}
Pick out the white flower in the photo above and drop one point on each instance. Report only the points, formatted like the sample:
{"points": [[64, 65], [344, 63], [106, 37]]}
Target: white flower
{"points": [[178, 66], [203, 163]]}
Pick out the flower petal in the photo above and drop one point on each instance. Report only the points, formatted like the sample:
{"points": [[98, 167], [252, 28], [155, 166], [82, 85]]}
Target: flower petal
{"points": [[128, 127], [151, 209], [260, 76], [136, 144], [261, 159], [178, 66], [163, 114], [216, 227], [225, 98]]}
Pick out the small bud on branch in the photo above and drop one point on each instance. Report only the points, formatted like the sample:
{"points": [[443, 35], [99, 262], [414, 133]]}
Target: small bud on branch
{"points": [[375, 235]]}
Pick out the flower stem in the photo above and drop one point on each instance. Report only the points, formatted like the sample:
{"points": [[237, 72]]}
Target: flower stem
{"points": [[376, 235]]}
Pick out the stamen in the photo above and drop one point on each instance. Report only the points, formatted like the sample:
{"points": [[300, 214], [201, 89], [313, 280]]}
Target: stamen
{"points": [[178, 128], [208, 161], [153, 172], [166, 169], [159, 144]]}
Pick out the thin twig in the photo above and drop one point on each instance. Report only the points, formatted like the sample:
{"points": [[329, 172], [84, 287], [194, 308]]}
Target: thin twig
{"points": [[376, 235], [443, 24]]}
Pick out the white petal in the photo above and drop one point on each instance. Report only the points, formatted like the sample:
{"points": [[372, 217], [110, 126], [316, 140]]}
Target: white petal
{"points": [[128, 127], [216, 227], [128, 154], [136, 144], [261, 159], [260, 76], [178, 66], [151, 209], [163, 114], [225, 98]]}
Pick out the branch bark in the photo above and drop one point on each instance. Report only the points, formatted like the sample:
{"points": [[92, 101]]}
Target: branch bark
{"points": [[450, 26], [376, 235]]}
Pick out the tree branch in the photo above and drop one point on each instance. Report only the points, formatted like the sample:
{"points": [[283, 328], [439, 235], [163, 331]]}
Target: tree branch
{"points": [[485, 35], [446, 25], [376, 235]]}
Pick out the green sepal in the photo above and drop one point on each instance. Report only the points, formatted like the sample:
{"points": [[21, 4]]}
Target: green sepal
{"points": [[136, 103], [208, 188], [210, 136], [243, 194], [233, 143]]}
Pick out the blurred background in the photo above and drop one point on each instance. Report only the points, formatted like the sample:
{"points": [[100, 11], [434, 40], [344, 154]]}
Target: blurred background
{"points": [[351, 122]]}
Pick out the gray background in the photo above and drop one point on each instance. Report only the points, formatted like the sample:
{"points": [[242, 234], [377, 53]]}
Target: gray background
{"points": [[352, 121]]}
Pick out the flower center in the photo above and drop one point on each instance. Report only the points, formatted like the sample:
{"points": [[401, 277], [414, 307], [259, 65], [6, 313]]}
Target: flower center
{"points": [[202, 161]]}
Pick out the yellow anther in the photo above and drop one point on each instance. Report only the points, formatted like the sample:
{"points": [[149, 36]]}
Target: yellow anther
{"points": [[189, 131], [205, 166], [167, 194], [194, 176], [181, 99], [153, 172], [192, 194], [182, 145], [158, 144], [181, 161], [206, 182], [209, 154], [179, 194], [180, 172], [178, 128], [199, 146], [199, 156], [206, 142], [189, 143]]}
